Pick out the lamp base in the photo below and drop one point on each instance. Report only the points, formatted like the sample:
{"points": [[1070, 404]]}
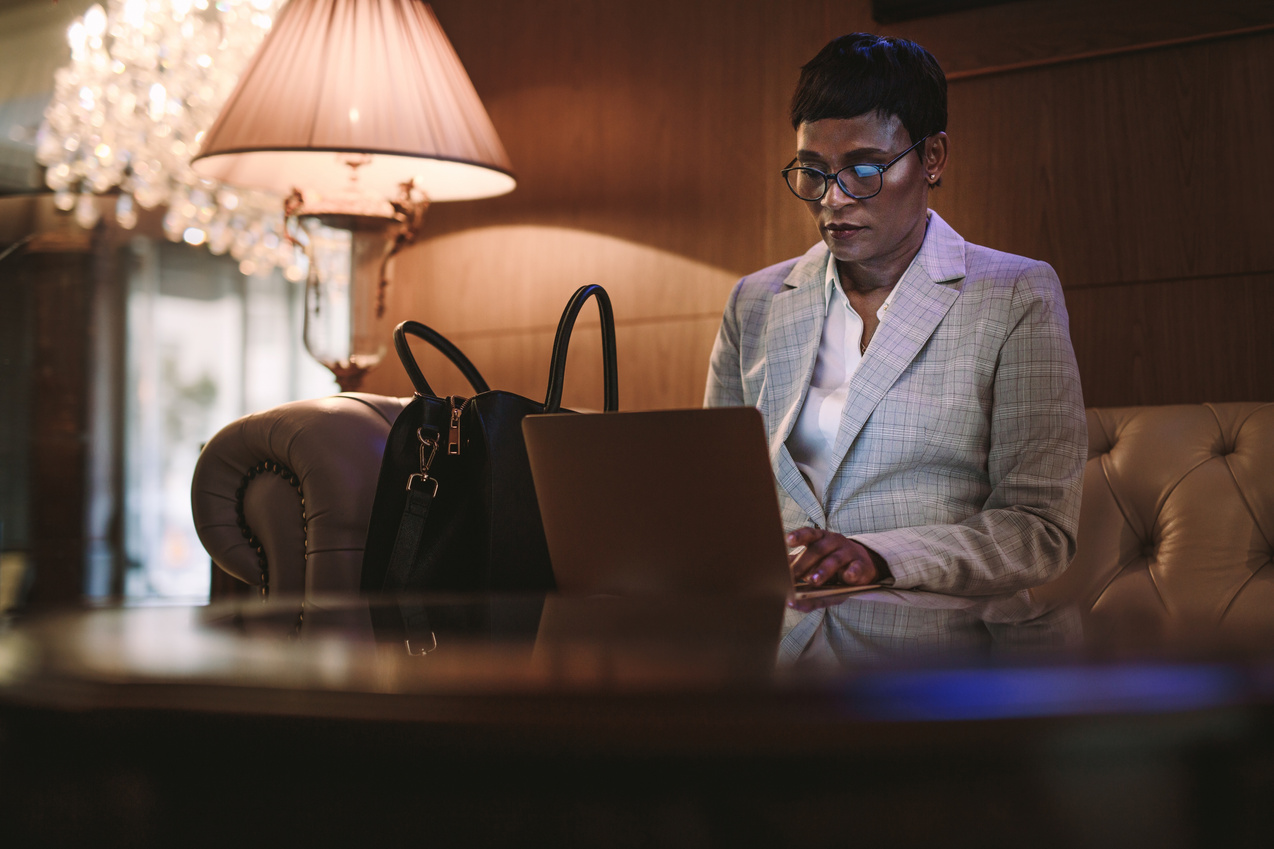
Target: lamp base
{"points": [[342, 293], [349, 377], [349, 247]]}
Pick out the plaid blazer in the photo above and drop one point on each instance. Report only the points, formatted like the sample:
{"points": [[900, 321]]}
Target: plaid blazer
{"points": [[961, 449]]}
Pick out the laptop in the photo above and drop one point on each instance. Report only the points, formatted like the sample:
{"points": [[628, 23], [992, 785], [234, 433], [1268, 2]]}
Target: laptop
{"points": [[661, 502]]}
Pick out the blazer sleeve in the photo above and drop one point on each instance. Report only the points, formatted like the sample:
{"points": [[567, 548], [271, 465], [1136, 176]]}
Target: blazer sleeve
{"points": [[1025, 533], [725, 380]]}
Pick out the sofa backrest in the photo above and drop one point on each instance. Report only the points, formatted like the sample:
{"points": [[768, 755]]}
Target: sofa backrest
{"points": [[1176, 536]]}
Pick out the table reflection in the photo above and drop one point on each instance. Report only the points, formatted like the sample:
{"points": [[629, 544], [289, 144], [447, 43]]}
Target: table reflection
{"points": [[883, 624], [743, 634], [1018, 661]]}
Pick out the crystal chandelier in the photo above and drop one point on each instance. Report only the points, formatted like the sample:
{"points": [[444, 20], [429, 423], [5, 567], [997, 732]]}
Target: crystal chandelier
{"points": [[146, 80]]}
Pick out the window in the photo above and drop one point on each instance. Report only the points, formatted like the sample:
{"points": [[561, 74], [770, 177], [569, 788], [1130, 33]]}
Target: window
{"points": [[204, 346]]}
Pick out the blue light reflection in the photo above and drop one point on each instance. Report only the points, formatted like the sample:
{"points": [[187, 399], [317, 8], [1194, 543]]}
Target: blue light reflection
{"points": [[1025, 692]]}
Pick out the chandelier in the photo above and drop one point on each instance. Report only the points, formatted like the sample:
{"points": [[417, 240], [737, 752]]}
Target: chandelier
{"points": [[145, 81]]}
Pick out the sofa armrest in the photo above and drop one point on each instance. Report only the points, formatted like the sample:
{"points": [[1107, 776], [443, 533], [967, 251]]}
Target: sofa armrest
{"points": [[282, 498]]}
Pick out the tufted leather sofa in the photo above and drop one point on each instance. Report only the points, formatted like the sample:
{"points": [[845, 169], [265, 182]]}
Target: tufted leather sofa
{"points": [[1176, 531]]}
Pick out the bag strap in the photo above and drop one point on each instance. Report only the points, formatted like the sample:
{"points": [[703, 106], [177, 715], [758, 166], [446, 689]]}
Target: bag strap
{"points": [[411, 528], [610, 368], [421, 490], [443, 344]]}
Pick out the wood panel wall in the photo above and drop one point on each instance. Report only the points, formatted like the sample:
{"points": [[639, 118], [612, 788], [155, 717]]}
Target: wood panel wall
{"points": [[647, 140], [1137, 176]]}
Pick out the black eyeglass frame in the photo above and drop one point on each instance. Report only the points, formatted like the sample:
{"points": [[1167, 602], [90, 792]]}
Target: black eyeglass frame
{"points": [[864, 166]]}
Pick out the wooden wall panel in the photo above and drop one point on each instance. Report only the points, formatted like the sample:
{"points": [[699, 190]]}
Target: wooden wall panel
{"points": [[1175, 342], [1136, 167], [641, 121], [1030, 33], [1137, 177], [662, 364], [498, 293], [647, 140]]}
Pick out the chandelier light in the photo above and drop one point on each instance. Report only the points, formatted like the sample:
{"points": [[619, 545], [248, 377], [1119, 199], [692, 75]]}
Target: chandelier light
{"points": [[145, 81]]}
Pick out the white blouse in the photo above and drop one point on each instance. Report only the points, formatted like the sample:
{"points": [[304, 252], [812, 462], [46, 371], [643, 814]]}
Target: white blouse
{"points": [[812, 437]]}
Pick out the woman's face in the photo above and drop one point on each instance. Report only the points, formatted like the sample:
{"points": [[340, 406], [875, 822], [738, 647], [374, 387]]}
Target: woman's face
{"points": [[875, 239]]}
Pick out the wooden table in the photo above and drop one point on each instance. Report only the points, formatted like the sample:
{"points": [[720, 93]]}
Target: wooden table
{"points": [[533, 721]]}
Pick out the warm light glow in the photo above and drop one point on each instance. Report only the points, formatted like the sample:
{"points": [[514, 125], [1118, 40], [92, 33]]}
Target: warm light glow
{"points": [[145, 80], [95, 22], [320, 175], [77, 38], [158, 100], [134, 13]]}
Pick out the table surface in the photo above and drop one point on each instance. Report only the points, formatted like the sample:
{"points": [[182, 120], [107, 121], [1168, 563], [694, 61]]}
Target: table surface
{"points": [[436, 659], [669, 720]]}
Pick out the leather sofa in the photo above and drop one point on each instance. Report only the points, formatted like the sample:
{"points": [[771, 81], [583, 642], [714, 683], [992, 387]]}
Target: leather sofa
{"points": [[282, 498], [1176, 530]]}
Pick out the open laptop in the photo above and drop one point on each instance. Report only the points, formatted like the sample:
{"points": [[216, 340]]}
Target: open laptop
{"points": [[662, 502]]}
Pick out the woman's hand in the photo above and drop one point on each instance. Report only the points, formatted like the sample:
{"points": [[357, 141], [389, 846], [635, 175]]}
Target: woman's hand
{"points": [[831, 558]]}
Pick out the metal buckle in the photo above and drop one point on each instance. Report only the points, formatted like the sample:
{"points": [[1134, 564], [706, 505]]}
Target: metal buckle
{"points": [[411, 480], [422, 652]]}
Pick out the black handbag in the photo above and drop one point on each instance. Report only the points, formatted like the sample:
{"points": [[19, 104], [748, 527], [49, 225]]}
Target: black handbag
{"points": [[455, 507]]}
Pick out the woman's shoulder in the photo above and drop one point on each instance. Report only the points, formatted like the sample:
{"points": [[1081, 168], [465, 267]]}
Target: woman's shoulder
{"points": [[769, 281], [1001, 268]]}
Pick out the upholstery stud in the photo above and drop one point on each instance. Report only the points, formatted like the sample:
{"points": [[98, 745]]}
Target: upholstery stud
{"points": [[287, 476]]}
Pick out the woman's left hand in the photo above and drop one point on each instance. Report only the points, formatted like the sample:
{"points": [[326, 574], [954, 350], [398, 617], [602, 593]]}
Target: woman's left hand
{"points": [[831, 558]]}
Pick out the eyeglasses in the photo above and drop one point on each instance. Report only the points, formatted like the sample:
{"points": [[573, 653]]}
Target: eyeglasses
{"points": [[858, 181]]}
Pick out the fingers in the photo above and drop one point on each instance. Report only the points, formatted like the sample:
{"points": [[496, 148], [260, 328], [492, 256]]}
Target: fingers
{"points": [[816, 544], [828, 556], [859, 570], [805, 536]]}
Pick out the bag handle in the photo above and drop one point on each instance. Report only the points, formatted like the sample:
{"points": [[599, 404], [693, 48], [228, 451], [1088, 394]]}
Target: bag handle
{"points": [[610, 368], [443, 344]]}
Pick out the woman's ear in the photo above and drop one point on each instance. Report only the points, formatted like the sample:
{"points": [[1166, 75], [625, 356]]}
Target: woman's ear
{"points": [[935, 158]]}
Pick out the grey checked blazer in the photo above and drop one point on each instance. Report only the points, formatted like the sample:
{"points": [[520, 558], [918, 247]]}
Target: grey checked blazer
{"points": [[961, 450]]}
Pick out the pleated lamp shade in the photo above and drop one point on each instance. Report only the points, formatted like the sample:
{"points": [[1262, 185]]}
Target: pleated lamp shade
{"points": [[374, 81]]}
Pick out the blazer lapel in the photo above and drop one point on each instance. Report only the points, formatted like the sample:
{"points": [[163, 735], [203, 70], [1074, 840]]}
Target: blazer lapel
{"points": [[921, 302], [792, 336]]}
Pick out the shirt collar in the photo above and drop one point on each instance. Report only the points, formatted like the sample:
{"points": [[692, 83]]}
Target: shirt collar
{"points": [[832, 287]]}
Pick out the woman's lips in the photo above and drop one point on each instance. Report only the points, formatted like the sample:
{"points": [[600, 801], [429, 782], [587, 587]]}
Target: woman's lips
{"points": [[842, 231]]}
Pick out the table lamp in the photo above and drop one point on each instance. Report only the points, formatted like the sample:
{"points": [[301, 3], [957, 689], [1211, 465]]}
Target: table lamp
{"points": [[360, 113]]}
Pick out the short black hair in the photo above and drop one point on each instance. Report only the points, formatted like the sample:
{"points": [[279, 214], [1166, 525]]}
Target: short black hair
{"points": [[860, 73]]}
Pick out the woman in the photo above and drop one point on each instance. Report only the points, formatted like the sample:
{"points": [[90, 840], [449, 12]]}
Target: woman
{"points": [[920, 393]]}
